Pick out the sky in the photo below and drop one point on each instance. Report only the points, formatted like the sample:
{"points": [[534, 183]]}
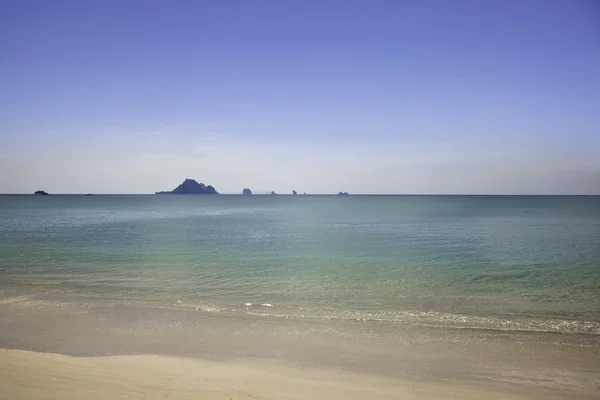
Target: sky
{"points": [[318, 96]]}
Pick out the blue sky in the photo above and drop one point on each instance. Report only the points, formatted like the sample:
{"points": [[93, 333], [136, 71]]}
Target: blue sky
{"points": [[423, 96]]}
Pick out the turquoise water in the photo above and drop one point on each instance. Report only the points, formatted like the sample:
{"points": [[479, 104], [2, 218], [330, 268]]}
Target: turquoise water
{"points": [[507, 262]]}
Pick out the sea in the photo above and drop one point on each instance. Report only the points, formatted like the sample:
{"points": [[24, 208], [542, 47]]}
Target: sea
{"points": [[497, 263]]}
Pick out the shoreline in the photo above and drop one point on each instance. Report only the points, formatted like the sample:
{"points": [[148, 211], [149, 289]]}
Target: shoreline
{"points": [[28, 375], [50, 289], [56, 334]]}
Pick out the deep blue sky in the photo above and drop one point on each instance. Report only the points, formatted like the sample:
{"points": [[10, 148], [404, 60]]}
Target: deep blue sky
{"points": [[375, 96]]}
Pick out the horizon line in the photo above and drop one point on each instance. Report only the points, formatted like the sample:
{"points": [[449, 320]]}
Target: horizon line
{"points": [[301, 195]]}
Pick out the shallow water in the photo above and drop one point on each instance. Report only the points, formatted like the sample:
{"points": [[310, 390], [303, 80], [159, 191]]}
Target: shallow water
{"points": [[507, 263]]}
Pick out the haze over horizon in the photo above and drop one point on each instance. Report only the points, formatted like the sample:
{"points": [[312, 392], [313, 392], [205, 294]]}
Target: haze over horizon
{"points": [[428, 97]]}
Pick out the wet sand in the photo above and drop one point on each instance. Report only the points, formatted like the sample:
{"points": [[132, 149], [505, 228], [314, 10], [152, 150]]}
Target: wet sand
{"points": [[59, 346]]}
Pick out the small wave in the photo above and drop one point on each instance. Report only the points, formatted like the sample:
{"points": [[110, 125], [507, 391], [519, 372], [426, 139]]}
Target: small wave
{"points": [[258, 305], [208, 309], [445, 320], [33, 282], [29, 302]]}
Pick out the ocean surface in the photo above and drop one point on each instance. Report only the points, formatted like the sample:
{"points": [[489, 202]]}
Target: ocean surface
{"points": [[508, 263]]}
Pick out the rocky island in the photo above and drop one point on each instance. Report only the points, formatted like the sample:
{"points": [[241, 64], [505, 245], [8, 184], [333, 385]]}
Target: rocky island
{"points": [[247, 192], [41, 193], [342, 194], [294, 193], [190, 186]]}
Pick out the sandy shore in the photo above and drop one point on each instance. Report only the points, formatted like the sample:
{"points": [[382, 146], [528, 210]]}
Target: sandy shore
{"points": [[32, 375], [58, 347]]}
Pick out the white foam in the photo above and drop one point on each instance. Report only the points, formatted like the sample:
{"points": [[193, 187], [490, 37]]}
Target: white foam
{"points": [[207, 308], [267, 305], [247, 304]]}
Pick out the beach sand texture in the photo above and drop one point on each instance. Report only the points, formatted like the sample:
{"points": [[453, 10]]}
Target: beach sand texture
{"points": [[32, 375]]}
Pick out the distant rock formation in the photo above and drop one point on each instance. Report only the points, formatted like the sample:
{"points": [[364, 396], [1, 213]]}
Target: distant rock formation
{"points": [[190, 186], [294, 192], [41, 193], [247, 192], [342, 194], [273, 193]]}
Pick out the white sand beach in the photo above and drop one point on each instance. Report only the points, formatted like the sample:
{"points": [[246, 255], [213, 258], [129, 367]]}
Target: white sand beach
{"points": [[32, 375]]}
